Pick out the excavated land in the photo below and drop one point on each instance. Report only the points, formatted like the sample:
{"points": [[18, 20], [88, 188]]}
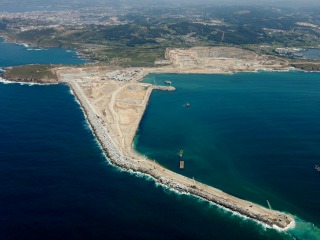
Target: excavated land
{"points": [[212, 60]]}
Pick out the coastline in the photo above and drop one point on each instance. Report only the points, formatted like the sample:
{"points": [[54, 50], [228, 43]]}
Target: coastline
{"points": [[131, 161], [5, 81], [33, 47], [6, 39]]}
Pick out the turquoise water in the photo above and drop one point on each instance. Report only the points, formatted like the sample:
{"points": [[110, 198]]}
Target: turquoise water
{"points": [[57, 184], [253, 135]]}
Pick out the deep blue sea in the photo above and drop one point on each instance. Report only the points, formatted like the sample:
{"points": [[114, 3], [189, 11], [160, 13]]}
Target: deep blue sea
{"points": [[57, 184], [12, 54]]}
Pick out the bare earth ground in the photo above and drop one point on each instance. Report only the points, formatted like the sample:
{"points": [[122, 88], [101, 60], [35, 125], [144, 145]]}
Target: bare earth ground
{"points": [[219, 60], [114, 101]]}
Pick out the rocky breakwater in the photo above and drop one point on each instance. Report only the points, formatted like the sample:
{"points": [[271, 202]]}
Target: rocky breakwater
{"points": [[100, 131], [132, 161], [163, 88], [263, 215]]}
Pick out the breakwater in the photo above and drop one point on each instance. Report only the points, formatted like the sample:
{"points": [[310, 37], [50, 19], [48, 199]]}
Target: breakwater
{"points": [[131, 161]]}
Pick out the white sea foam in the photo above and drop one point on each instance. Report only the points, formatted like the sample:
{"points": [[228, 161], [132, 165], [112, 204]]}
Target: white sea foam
{"points": [[37, 49], [221, 209], [304, 230], [87, 126], [23, 44], [4, 81], [224, 210], [72, 93], [172, 190]]}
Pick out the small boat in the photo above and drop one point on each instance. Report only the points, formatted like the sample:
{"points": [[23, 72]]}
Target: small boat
{"points": [[167, 82], [317, 168], [187, 105], [181, 153]]}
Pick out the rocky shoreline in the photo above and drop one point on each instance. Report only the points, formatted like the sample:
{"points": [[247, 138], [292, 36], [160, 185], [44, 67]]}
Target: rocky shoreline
{"points": [[32, 73], [28, 80]]}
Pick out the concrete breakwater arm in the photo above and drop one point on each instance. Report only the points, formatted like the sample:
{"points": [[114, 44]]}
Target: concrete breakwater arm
{"points": [[163, 88], [126, 158]]}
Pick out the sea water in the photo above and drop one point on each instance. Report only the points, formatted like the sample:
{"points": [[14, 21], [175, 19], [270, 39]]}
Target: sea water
{"points": [[12, 54], [57, 184], [253, 135]]}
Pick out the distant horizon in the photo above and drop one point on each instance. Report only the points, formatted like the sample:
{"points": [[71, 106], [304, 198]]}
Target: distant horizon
{"points": [[24, 4]]}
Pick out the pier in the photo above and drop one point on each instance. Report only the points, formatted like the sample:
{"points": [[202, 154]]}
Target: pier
{"points": [[118, 149]]}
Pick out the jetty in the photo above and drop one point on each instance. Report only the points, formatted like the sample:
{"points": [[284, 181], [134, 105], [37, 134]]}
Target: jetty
{"points": [[114, 110], [164, 88]]}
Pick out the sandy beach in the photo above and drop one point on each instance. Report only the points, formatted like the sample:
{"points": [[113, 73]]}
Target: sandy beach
{"points": [[114, 101]]}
